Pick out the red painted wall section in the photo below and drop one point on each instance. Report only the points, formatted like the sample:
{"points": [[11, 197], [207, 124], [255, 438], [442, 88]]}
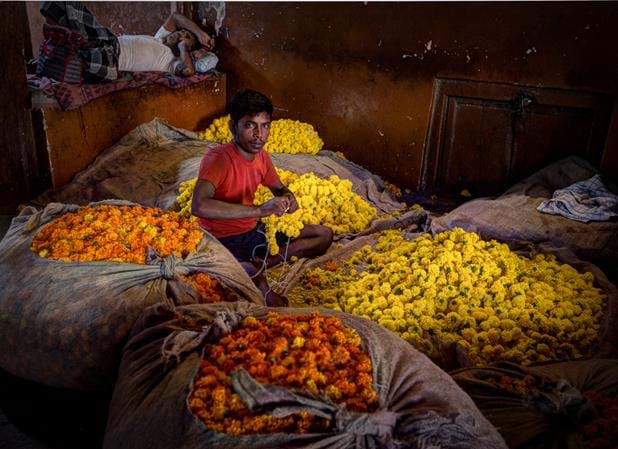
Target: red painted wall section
{"points": [[363, 74]]}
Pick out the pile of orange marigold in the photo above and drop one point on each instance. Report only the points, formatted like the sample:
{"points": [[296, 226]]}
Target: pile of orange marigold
{"points": [[314, 353], [116, 233], [210, 289]]}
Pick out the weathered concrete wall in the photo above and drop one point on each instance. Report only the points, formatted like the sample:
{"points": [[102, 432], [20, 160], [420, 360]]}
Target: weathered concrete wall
{"points": [[363, 73]]}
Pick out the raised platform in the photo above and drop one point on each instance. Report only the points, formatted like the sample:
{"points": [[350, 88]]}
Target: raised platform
{"points": [[76, 137]]}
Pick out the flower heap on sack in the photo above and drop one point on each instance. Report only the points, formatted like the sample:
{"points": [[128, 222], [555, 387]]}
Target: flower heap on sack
{"points": [[218, 131], [312, 353], [602, 432], [329, 202], [600, 429], [293, 137], [209, 289], [454, 286], [116, 233], [286, 136]]}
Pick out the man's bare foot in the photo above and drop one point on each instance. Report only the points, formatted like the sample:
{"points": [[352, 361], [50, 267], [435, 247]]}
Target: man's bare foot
{"points": [[275, 300]]}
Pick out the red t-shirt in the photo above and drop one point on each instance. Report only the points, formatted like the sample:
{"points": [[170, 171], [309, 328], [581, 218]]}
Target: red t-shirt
{"points": [[236, 181]]}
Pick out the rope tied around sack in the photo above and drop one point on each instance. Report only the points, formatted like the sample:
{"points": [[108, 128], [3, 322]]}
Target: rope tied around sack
{"points": [[179, 343], [169, 266]]}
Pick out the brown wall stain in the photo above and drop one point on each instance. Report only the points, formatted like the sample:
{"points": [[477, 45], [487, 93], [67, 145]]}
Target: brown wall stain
{"points": [[363, 74], [77, 137]]}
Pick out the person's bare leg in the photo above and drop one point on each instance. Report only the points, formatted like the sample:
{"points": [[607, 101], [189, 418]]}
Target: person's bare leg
{"points": [[313, 241], [257, 276]]}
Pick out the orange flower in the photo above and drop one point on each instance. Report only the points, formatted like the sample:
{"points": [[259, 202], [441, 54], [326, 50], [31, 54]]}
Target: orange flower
{"points": [[116, 233], [210, 289], [314, 353], [331, 265]]}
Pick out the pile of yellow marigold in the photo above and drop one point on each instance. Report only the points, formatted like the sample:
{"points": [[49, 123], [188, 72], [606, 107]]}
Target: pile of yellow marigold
{"points": [[116, 233], [209, 289], [494, 303], [286, 136], [314, 353], [329, 202], [218, 131]]}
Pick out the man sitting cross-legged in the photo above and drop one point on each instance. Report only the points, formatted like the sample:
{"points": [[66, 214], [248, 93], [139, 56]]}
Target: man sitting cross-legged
{"points": [[228, 178]]}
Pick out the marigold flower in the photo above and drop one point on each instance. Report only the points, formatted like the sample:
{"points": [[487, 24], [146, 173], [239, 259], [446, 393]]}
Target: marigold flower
{"points": [[116, 233], [311, 352]]}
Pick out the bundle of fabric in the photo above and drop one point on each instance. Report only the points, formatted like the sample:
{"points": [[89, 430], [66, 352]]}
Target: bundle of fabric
{"points": [[73, 285], [585, 201], [564, 405], [325, 379]]}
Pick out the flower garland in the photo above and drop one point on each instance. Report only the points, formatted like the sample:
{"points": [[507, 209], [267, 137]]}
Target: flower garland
{"points": [[329, 202]]}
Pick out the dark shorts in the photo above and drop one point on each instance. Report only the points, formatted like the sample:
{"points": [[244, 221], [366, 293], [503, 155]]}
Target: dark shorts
{"points": [[251, 244]]}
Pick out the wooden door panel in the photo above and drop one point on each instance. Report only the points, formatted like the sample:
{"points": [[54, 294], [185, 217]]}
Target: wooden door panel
{"points": [[474, 152], [487, 136], [546, 135]]}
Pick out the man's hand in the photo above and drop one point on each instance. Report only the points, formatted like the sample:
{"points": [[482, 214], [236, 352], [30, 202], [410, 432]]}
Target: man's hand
{"points": [[185, 67], [207, 42], [276, 206], [293, 204]]}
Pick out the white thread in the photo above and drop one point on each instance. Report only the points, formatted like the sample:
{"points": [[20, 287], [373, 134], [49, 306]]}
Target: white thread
{"points": [[264, 267]]}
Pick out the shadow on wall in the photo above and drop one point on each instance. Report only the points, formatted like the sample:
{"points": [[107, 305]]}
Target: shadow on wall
{"points": [[232, 65]]}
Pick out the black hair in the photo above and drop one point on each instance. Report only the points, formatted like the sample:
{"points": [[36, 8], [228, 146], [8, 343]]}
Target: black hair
{"points": [[248, 102]]}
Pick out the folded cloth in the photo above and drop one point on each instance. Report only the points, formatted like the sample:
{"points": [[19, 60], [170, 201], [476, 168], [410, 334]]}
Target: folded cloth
{"points": [[101, 49], [583, 201], [71, 96]]}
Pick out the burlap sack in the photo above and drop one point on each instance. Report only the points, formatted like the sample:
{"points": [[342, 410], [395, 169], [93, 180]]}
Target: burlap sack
{"points": [[420, 405], [64, 323], [147, 166], [550, 414]]}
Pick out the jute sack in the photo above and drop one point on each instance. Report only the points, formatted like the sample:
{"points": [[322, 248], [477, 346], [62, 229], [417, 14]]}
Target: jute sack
{"points": [[543, 406], [64, 323], [419, 404]]}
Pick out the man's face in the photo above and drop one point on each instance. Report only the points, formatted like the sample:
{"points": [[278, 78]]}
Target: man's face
{"points": [[251, 132], [172, 39]]}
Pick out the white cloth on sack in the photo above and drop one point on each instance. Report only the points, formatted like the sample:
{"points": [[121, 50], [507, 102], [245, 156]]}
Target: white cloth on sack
{"points": [[583, 201]]}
